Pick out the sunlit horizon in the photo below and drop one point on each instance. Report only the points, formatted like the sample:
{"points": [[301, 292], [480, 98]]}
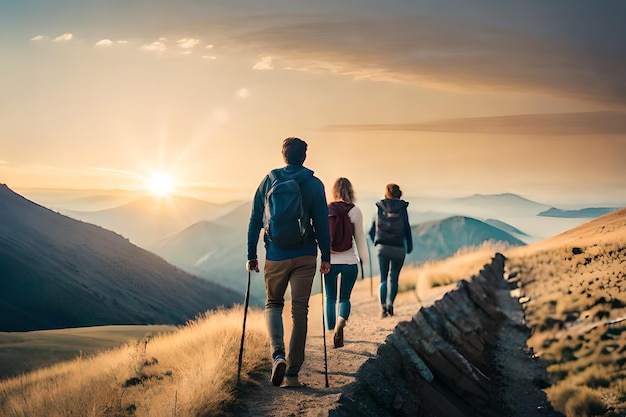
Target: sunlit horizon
{"points": [[444, 98]]}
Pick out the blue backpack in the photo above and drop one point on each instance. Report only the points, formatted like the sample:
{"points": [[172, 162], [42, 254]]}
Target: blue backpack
{"points": [[284, 217]]}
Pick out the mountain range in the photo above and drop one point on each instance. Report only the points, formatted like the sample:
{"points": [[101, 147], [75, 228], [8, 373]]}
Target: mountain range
{"points": [[147, 219], [208, 240], [521, 214], [216, 250], [57, 272], [443, 238]]}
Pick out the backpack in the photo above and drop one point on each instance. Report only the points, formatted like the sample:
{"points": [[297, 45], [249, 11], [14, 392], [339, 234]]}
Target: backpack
{"points": [[390, 230], [341, 228], [283, 216]]}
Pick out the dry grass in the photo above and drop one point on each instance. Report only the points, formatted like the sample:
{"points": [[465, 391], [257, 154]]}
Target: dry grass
{"points": [[465, 263], [189, 372], [576, 310], [576, 401]]}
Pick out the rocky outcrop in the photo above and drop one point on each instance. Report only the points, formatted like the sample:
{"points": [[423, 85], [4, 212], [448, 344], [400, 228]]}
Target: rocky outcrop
{"points": [[463, 356]]}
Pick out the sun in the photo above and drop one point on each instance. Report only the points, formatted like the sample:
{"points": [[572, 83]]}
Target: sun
{"points": [[161, 184]]}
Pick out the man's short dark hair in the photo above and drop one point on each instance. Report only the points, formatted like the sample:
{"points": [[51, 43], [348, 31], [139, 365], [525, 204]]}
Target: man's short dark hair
{"points": [[294, 151]]}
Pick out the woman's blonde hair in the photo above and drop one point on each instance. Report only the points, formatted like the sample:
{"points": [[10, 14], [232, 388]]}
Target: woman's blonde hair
{"points": [[393, 191], [342, 190]]}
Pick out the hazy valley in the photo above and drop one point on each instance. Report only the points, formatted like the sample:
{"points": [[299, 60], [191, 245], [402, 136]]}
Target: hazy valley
{"points": [[209, 239]]}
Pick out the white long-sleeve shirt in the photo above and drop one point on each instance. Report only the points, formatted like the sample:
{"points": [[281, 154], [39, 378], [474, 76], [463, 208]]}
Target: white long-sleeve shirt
{"points": [[352, 256]]}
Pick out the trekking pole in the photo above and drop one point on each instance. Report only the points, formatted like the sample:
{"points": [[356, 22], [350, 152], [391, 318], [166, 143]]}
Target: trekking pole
{"points": [[369, 255], [362, 270], [243, 331], [324, 331]]}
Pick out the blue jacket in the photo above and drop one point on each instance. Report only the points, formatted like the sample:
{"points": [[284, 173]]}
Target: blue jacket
{"points": [[314, 203]]}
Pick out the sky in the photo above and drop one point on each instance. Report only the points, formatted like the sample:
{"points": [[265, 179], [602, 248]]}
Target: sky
{"points": [[443, 97]]}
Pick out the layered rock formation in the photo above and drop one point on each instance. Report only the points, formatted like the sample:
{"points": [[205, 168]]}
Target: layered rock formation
{"points": [[463, 356]]}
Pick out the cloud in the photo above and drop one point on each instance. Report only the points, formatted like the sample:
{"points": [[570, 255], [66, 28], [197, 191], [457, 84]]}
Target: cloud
{"points": [[558, 124], [243, 93], [209, 57], [122, 42], [450, 53], [64, 38], [264, 64], [37, 38], [157, 47], [118, 171], [187, 43], [104, 42]]}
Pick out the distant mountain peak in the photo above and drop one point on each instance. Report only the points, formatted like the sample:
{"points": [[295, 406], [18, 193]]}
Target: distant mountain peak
{"points": [[440, 239], [589, 212], [497, 195], [503, 195]]}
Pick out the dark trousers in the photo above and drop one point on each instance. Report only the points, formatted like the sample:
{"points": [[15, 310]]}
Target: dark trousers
{"points": [[391, 260]]}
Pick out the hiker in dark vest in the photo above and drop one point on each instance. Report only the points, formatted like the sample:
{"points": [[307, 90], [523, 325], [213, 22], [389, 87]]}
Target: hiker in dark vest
{"points": [[346, 226], [391, 233], [291, 251]]}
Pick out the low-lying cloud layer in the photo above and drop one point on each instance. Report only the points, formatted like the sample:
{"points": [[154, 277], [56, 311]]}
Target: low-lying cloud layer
{"points": [[562, 124]]}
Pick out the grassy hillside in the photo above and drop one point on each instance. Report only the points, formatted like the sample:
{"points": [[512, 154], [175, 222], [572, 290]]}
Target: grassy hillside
{"points": [[189, 372], [574, 293], [22, 352]]}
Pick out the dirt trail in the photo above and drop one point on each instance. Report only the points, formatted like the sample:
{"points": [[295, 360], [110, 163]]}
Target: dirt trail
{"points": [[365, 331]]}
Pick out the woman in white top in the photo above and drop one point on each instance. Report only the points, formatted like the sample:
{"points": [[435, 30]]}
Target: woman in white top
{"points": [[346, 226]]}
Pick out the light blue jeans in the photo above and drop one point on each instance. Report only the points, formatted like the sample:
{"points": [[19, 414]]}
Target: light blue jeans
{"points": [[348, 274], [299, 273], [391, 260]]}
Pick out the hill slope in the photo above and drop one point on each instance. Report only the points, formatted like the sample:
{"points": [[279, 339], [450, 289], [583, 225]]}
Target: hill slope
{"points": [[58, 272], [442, 239], [573, 288]]}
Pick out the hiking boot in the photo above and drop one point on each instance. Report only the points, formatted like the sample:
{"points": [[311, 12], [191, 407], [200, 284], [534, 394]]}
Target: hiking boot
{"points": [[292, 382], [338, 336], [278, 370], [390, 310], [385, 313]]}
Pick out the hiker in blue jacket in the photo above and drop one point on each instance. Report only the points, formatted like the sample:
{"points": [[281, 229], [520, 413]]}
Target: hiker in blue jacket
{"points": [[289, 264], [391, 233]]}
